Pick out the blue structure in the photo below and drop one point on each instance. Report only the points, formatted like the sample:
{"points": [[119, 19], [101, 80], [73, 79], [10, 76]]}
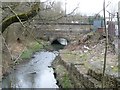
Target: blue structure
{"points": [[97, 24]]}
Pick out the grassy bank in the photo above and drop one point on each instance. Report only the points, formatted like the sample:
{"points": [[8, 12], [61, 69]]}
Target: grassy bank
{"points": [[31, 48]]}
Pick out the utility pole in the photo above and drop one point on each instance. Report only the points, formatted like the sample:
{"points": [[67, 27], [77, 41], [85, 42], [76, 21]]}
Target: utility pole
{"points": [[65, 11], [65, 6]]}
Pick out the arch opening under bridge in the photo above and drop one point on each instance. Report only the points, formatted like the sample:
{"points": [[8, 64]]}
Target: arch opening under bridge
{"points": [[59, 43], [60, 40]]}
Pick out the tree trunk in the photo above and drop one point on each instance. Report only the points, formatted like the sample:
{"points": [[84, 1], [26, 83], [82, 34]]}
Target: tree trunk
{"points": [[23, 17]]}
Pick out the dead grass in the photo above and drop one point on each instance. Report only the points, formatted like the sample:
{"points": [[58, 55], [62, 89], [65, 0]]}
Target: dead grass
{"points": [[92, 57]]}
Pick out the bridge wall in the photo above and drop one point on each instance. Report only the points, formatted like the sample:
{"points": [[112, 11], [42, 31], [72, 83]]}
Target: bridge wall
{"points": [[52, 35], [51, 32], [65, 27]]}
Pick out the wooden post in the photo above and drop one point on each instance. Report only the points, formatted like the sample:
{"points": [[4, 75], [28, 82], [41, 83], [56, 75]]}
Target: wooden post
{"points": [[118, 25], [106, 43], [118, 43]]}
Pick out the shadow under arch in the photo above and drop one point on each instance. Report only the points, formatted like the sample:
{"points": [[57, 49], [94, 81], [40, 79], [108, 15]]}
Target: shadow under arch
{"points": [[60, 42], [57, 40]]}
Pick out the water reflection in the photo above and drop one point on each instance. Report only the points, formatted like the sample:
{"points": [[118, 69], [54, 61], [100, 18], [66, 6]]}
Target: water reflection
{"points": [[34, 74]]}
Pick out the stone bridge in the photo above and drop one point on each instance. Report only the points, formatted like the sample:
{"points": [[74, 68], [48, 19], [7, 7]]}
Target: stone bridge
{"points": [[69, 32], [53, 35]]}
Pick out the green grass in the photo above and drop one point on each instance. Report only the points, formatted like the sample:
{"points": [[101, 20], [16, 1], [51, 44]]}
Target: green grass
{"points": [[32, 47], [115, 69], [66, 81], [84, 56], [26, 54], [36, 46]]}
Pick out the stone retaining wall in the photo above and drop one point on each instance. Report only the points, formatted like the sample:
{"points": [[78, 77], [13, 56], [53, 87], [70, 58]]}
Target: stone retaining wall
{"points": [[92, 79], [109, 81]]}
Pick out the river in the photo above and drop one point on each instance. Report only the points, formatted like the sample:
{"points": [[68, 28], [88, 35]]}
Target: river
{"points": [[37, 73]]}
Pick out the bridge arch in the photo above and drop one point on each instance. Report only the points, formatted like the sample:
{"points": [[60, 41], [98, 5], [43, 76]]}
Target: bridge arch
{"points": [[57, 40]]}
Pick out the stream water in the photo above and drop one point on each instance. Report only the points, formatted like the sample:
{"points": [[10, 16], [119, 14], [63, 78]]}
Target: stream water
{"points": [[37, 73]]}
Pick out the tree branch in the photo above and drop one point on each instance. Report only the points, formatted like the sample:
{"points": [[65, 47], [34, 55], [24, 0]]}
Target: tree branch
{"points": [[16, 16], [7, 47], [23, 17]]}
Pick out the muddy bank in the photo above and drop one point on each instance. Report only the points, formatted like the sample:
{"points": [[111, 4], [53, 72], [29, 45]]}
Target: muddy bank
{"points": [[80, 77]]}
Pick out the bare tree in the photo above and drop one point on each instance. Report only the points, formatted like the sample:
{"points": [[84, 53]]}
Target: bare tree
{"points": [[23, 17]]}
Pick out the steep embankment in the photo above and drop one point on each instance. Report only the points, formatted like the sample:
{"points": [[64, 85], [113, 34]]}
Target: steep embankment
{"points": [[82, 65]]}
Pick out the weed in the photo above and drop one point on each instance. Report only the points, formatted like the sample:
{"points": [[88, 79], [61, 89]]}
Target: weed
{"points": [[33, 47], [84, 56], [66, 81], [115, 69], [26, 54], [36, 47]]}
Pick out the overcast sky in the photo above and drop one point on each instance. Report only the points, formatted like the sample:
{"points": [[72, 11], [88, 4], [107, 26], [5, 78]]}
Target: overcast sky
{"points": [[88, 7]]}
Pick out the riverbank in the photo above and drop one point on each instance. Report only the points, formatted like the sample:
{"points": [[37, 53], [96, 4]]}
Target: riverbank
{"points": [[21, 54], [82, 64], [61, 74], [79, 65], [76, 75], [27, 56]]}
